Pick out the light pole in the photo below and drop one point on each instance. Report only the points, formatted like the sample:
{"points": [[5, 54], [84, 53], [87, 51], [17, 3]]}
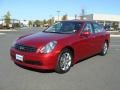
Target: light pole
{"points": [[2, 19], [83, 13], [75, 16], [58, 14]]}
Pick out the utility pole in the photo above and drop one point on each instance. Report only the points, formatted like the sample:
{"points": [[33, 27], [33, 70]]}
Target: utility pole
{"points": [[2, 19], [58, 14], [75, 16], [83, 13]]}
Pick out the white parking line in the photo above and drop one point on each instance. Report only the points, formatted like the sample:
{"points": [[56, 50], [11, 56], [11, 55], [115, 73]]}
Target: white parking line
{"points": [[115, 45], [2, 33], [114, 35]]}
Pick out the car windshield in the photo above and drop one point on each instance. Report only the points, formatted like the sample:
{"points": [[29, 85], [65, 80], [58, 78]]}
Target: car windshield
{"points": [[64, 27]]}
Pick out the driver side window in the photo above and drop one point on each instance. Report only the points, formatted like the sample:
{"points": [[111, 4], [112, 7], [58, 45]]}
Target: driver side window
{"points": [[88, 27]]}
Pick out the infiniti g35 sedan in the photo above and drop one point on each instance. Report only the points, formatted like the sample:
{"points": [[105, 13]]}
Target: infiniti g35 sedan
{"points": [[61, 45]]}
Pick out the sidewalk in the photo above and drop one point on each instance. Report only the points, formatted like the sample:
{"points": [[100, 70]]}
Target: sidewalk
{"points": [[7, 30]]}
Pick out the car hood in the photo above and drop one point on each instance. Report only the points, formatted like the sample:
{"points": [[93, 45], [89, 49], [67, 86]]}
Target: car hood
{"points": [[41, 38]]}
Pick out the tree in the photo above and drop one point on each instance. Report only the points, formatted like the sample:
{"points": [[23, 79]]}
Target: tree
{"points": [[7, 19], [65, 17], [44, 21], [30, 23], [50, 21], [37, 23]]}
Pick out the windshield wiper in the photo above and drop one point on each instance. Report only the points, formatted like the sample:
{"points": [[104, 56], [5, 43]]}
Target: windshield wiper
{"points": [[58, 32]]}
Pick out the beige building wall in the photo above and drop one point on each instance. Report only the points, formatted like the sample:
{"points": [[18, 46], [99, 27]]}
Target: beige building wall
{"points": [[101, 18], [104, 18]]}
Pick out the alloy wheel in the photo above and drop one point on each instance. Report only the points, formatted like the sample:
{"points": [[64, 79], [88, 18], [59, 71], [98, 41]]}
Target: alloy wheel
{"points": [[65, 61]]}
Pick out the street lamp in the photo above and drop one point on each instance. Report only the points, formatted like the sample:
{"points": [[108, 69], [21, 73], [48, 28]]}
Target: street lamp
{"points": [[58, 14]]}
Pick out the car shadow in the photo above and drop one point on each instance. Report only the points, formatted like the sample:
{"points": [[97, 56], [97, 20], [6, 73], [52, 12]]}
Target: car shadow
{"points": [[81, 60], [36, 70], [52, 71]]}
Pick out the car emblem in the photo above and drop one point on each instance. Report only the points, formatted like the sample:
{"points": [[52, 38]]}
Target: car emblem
{"points": [[21, 48]]}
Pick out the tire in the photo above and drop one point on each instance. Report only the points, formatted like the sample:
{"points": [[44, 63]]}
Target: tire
{"points": [[104, 49], [64, 61]]}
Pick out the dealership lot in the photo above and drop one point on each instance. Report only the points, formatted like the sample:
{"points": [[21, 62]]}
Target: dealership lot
{"points": [[95, 73]]}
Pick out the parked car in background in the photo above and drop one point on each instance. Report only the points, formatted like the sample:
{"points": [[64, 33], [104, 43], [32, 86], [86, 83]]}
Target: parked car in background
{"points": [[61, 45], [109, 28]]}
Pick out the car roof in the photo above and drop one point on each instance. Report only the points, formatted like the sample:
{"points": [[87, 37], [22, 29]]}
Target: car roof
{"points": [[76, 20]]}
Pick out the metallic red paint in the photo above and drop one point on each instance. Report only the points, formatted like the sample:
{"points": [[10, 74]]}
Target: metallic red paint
{"points": [[81, 45]]}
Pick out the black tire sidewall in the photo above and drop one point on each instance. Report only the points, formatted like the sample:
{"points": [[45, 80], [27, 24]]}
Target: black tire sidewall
{"points": [[58, 68], [102, 52]]}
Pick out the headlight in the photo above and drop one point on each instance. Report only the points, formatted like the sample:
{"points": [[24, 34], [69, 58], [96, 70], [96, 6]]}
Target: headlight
{"points": [[49, 47]]}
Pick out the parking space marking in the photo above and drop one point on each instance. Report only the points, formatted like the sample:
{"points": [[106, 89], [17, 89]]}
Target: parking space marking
{"points": [[2, 33], [115, 45], [114, 35]]}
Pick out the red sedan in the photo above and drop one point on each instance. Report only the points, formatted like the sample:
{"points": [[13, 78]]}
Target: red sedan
{"points": [[61, 45]]}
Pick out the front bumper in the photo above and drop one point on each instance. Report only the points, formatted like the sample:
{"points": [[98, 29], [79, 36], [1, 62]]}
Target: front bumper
{"points": [[35, 60]]}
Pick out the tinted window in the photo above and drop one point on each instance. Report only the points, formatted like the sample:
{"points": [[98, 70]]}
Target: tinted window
{"points": [[64, 27], [98, 28]]}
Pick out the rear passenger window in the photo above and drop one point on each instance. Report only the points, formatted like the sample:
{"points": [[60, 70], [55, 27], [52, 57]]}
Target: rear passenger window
{"points": [[98, 28]]}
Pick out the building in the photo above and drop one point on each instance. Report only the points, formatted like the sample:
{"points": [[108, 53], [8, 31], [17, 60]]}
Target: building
{"points": [[13, 23], [68, 17], [24, 22], [113, 21], [105, 19]]}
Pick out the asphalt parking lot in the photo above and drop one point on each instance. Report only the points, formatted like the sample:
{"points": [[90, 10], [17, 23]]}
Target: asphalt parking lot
{"points": [[95, 73]]}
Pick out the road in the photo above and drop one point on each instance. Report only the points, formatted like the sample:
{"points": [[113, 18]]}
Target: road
{"points": [[95, 73]]}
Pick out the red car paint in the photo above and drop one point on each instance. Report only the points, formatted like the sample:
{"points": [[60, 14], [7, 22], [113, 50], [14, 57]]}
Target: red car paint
{"points": [[82, 46]]}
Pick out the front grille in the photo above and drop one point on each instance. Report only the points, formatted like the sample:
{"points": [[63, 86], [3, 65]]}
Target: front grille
{"points": [[25, 48]]}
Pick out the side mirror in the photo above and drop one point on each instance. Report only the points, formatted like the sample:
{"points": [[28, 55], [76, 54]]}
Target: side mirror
{"points": [[86, 33]]}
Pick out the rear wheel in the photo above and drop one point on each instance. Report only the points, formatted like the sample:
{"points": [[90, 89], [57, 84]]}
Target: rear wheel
{"points": [[104, 49], [64, 61]]}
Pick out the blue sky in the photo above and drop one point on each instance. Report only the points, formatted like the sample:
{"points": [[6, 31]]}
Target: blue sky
{"points": [[40, 9]]}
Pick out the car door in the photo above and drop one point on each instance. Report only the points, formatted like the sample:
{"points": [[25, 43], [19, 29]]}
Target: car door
{"points": [[99, 37], [86, 43]]}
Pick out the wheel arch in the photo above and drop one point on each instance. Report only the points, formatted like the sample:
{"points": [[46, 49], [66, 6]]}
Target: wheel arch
{"points": [[70, 48], [107, 42]]}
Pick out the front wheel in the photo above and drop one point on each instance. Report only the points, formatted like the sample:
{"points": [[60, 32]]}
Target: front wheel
{"points": [[104, 49], [64, 61]]}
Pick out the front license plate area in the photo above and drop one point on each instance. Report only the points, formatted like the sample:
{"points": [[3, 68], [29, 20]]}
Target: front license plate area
{"points": [[19, 57]]}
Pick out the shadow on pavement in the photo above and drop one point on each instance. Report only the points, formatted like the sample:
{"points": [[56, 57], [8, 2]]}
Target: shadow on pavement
{"points": [[36, 70]]}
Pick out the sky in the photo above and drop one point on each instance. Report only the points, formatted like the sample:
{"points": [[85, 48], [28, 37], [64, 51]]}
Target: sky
{"points": [[44, 9]]}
